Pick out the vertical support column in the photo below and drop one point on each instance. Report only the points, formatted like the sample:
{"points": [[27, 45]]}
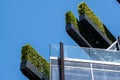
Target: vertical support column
{"points": [[61, 61], [118, 44]]}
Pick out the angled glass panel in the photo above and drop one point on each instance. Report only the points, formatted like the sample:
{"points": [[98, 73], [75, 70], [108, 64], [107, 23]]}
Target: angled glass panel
{"points": [[105, 55], [55, 50], [77, 52]]}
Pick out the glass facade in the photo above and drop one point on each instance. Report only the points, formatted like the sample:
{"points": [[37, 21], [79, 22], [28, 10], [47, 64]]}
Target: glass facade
{"points": [[105, 75], [85, 63], [77, 52], [106, 72]]}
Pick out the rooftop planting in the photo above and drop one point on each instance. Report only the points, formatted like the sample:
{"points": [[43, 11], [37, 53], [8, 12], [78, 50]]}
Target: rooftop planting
{"points": [[30, 54], [70, 18], [84, 9]]}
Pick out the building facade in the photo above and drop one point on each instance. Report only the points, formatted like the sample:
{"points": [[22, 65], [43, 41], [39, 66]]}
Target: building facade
{"points": [[85, 64], [96, 58]]}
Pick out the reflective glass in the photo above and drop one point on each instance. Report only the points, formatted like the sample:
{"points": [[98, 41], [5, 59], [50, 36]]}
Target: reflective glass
{"points": [[106, 67], [106, 72], [77, 64], [106, 75], [54, 62], [54, 73], [77, 52], [55, 50], [80, 70], [72, 73]]}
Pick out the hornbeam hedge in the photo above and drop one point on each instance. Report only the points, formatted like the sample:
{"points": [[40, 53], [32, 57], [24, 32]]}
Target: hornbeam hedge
{"points": [[84, 9], [70, 18], [30, 54]]}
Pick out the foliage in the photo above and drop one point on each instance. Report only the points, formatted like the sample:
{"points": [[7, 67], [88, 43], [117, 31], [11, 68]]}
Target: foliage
{"points": [[84, 9], [70, 18], [30, 54]]}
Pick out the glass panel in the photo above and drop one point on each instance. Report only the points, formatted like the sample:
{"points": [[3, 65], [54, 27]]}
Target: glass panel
{"points": [[55, 50], [106, 75], [54, 73], [99, 78], [77, 52], [105, 55], [75, 70], [81, 70], [106, 67], [77, 74], [54, 62], [77, 64], [98, 73], [77, 77]]}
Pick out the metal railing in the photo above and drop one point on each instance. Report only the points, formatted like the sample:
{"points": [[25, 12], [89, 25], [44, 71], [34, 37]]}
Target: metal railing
{"points": [[77, 52]]}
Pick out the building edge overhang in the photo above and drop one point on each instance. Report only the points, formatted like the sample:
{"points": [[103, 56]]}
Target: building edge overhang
{"points": [[91, 25], [75, 35], [30, 71], [81, 40]]}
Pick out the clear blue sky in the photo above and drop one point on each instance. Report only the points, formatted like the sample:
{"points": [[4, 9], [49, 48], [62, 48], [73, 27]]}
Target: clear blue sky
{"points": [[40, 23]]}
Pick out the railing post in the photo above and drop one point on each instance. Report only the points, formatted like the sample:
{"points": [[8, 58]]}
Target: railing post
{"points": [[61, 61]]}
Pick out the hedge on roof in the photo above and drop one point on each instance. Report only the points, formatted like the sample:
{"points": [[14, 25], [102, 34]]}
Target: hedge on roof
{"points": [[70, 18], [84, 9], [30, 54]]}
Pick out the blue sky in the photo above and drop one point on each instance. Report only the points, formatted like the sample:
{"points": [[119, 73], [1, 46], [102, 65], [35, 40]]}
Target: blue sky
{"points": [[40, 23]]}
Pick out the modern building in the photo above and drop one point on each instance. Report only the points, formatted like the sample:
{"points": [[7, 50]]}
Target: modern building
{"points": [[88, 30], [82, 63], [96, 58]]}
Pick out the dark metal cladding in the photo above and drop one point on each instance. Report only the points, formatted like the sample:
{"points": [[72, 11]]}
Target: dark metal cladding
{"points": [[98, 39], [76, 36], [89, 36], [30, 71]]}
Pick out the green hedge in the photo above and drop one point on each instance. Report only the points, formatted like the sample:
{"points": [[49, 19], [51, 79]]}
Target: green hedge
{"points": [[30, 54], [70, 18], [84, 9]]}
